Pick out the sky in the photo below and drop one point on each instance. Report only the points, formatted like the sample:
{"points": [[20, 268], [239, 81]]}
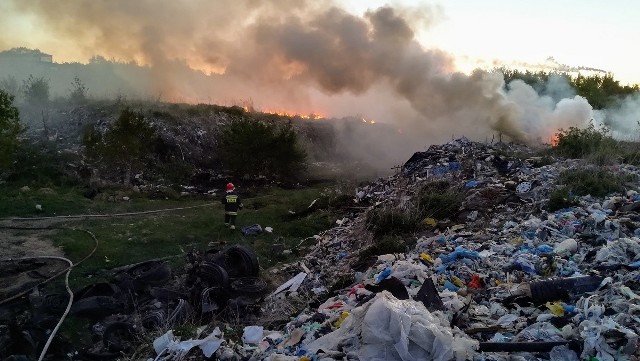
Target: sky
{"points": [[590, 33]]}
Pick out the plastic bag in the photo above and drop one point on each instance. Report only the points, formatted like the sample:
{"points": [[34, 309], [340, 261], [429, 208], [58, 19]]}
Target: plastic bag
{"points": [[562, 353], [389, 329], [252, 230], [459, 252]]}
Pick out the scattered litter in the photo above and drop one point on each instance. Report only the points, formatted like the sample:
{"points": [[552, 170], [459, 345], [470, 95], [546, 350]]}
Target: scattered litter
{"points": [[291, 284]]}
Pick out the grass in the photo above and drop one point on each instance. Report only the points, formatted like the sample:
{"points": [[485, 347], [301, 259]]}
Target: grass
{"points": [[561, 198], [126, 240], [596, 146], [596, 182], [439, 200], [391, 221]]}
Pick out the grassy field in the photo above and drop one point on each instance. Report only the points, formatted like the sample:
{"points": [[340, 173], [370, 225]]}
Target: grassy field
{"points": [[129, 239]]}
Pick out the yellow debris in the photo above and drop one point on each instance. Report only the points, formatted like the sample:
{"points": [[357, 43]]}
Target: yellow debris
{"points": [[430, 221], [343, 316], [556, 308], [425, 257], [456, 281]]}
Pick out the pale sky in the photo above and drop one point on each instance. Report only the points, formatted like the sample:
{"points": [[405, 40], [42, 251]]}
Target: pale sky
{"points": [[590, 33]]}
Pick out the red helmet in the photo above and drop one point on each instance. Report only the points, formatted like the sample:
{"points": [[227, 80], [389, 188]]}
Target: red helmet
{"points": [[230, 186]]}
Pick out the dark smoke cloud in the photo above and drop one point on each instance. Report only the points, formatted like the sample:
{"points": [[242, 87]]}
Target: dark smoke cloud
{"points": [[298, 55]]}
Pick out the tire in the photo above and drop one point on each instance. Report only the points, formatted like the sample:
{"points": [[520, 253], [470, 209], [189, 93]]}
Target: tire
{"points": [[239, 261], [213, 299], [180, 313], [165, 294], [153, 320], [214, 275], [97, 289], [151, 273], [119, 337], [96, 307], [249, 286]]}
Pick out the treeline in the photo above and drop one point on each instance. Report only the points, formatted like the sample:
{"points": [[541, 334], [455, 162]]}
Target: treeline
{"points": [[247, 145], [601, 91]]}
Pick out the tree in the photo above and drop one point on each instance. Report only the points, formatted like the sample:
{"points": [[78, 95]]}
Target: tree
{"points": [[78, 92], [36, 91], [250, 147], [10, 85], [10, 129], [126, 145]]}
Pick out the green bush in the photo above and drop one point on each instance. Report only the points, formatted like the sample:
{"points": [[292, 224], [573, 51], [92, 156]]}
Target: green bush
{"points": [[126, 145], [36, 91], [596, 182], [10, 129], [253, 148], [384, 245], [631, 157], [78, 92], [561, 198], [439, 200], [44, 166], [582, 143], [390, 221]]}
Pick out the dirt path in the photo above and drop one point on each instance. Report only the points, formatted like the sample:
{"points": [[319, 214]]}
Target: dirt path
{"points": [[26, 243]]}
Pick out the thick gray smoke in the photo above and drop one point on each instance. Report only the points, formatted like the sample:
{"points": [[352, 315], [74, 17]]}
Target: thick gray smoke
{"points": [[301, 57]]}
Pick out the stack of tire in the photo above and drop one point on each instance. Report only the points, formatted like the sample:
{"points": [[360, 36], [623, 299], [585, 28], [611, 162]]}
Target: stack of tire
{"points": [[231, 275]]}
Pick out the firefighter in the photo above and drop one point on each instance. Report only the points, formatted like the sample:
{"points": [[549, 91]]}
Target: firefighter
{"points": [[232, 204]]}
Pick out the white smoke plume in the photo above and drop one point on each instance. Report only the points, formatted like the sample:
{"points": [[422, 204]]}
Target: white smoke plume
{"points": [[623, 119]]}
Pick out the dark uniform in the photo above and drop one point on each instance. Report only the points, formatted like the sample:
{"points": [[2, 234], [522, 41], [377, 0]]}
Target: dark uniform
{"points": [[232, 204]]}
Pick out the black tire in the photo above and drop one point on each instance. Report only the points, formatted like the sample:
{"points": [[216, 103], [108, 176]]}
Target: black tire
{"points": [[165, 294], [97, 289], [96, 307], [180, 313], [240, 261], [119, 337], [151, 273], [153, 320], [254, 287], [214, 275], [213, 299]]}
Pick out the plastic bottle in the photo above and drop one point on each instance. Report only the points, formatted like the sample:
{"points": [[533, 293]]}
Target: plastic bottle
{"points": [[384, 274], [555, 289]]}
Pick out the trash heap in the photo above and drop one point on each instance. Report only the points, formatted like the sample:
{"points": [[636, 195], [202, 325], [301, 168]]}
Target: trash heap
{"points": [[500, 276], [503, 277]]}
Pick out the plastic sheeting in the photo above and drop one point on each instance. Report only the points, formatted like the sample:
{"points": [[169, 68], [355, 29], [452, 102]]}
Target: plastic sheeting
{"points": [[386, 328]]}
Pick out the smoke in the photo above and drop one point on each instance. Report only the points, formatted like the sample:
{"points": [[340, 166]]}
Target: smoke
{"points": [[298, 56], [623, 120]]}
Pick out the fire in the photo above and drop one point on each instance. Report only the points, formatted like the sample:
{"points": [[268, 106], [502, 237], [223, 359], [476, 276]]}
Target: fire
{"points": [[368, 121], [284, 113], [553, 140]]}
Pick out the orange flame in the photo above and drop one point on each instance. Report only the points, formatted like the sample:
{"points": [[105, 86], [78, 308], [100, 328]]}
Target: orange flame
{"points": [[285, 113]]}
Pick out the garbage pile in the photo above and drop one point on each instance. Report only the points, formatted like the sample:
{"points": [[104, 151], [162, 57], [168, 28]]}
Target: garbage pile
{"points": [[503, 277], [500, 277]]}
